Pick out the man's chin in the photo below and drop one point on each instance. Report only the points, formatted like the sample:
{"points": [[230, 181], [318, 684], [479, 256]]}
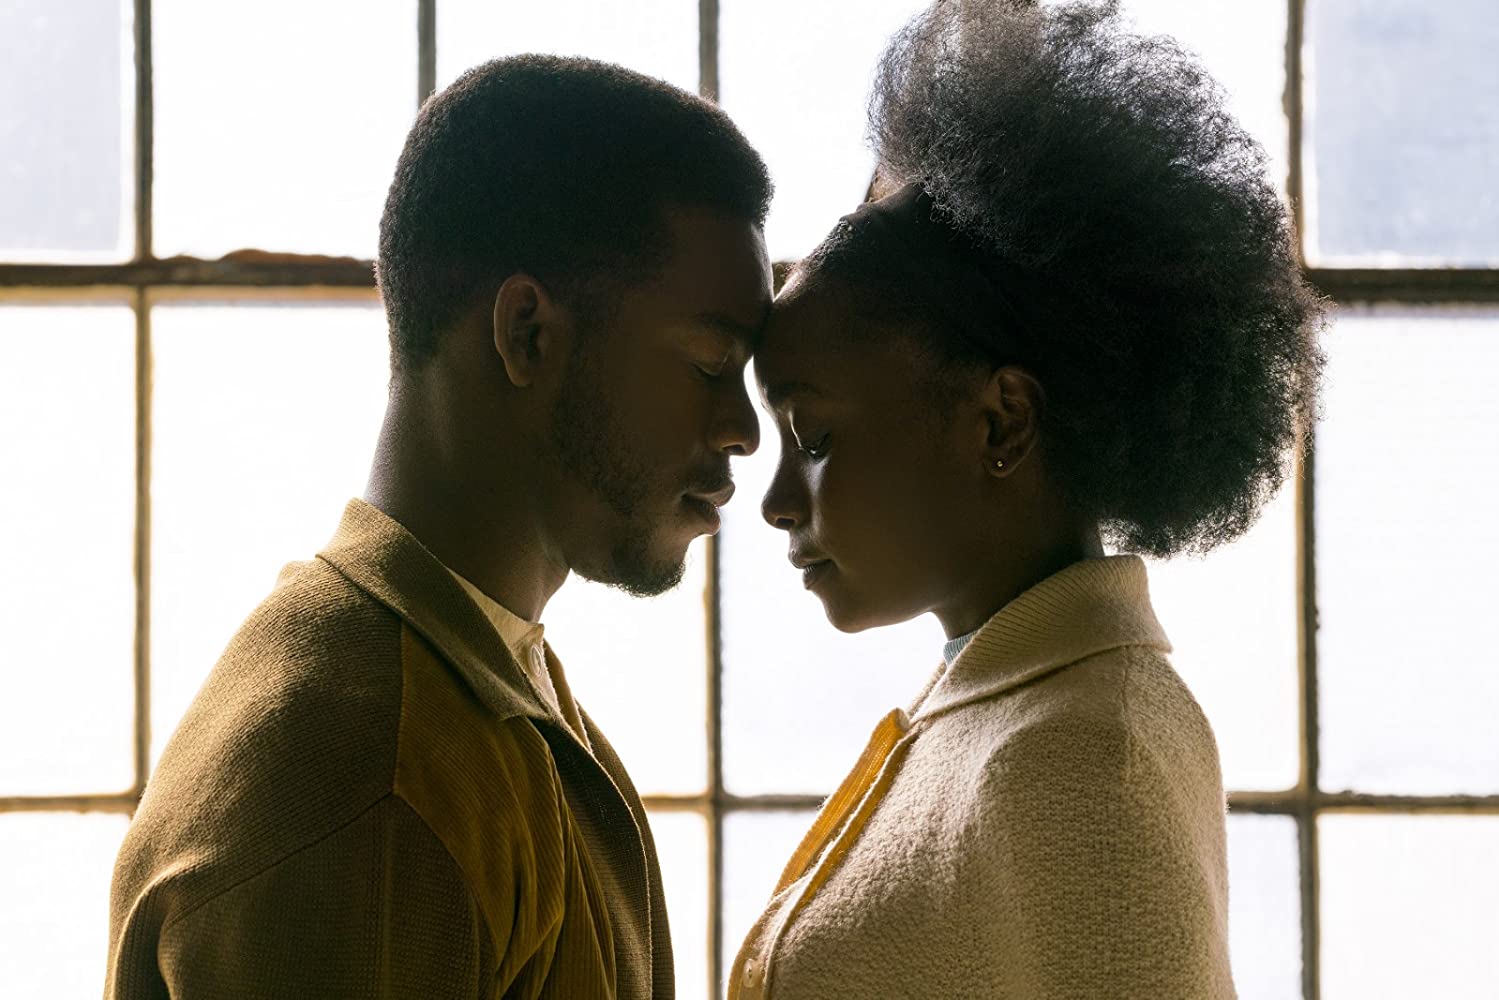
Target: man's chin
{"points": [[640, 570]]}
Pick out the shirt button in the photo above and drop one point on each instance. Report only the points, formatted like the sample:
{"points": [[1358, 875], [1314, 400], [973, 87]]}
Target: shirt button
{"points": [[751, 973]]}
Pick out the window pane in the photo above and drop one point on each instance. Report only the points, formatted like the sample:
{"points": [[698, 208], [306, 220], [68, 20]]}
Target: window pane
{"points": [[1406, 477], [1402, 132], [1410, 907], [65, 84], [800, 698], [682, 845], [1264, 906], [278, 122], [640, 668], [1231, 619], [265, 423], [657, 37], [67, 448], [795, 77], [756, 847], [54, 902], [1243, 45]]}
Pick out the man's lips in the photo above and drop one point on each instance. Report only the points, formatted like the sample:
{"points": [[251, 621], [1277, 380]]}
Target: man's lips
{"points": [[715, 498], [705, 504]]}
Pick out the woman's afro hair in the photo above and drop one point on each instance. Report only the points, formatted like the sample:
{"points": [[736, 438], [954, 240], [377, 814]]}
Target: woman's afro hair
{"points": [[1174, 336]]}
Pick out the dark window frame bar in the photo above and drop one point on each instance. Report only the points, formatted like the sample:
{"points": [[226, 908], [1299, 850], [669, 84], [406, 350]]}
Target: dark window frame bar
{"points": [[302, 276]]}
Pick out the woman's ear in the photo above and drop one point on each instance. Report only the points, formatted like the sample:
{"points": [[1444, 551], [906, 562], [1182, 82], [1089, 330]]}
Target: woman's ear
{"points": [[1013, 403], [530, 330]]}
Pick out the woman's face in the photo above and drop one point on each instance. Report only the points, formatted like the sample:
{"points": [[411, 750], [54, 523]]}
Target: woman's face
{"points": [[881, 491]]}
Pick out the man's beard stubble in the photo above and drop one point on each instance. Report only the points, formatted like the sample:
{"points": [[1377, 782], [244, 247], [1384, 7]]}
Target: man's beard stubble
{"points": [[595, 454]]}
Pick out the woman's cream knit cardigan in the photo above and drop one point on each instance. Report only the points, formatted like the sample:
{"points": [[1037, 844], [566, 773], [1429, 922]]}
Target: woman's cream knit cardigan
{"points": [[1047, 822]]}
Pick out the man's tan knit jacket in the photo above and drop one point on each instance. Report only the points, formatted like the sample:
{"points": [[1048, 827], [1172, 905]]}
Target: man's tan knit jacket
{"points": [[367, 800]]}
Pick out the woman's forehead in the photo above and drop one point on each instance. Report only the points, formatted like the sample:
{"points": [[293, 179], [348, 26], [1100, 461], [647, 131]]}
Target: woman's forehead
{"points": [[801, 338]]}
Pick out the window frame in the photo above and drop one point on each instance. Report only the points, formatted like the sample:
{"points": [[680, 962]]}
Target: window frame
{"points": [[145, 279]]}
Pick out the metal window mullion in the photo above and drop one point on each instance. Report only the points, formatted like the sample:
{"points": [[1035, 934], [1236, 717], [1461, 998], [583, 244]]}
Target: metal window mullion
{"points": [[144, 131], [1292, 102], [1306, 577], [1307, 787], [123, 802], [714, 803], [426, 50], [707, 56], [144, 159], [142, 560]]}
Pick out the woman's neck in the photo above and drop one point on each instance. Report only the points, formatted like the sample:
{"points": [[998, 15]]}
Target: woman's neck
{"points": [[1009, 570]]}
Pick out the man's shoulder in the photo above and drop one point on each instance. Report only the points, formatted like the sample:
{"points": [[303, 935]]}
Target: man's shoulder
{"points": [[292, 733]]}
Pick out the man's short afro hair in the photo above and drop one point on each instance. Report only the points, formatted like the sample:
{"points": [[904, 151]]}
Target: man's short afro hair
{"points": [[1173, 334], [560, 167]]}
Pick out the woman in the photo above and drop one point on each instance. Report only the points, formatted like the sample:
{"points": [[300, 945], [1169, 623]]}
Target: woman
{"points": [[1075, 321]]}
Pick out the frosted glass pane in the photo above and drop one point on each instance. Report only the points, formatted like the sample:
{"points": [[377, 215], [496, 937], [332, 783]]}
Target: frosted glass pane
{"points": [[278, 122], [756, 847], [1402, 132], [656, 37], [800, 698], [640, 668], [265, 423], [682, 845], [65, 84], [1243, 45], [1407, 471], [54, 902], [1231, 619], [1264, 906], [795, 77], [67, 596], [1410, 907]]}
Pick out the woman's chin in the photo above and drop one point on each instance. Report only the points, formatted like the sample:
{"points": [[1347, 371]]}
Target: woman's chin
{"points": [[848, 616]]}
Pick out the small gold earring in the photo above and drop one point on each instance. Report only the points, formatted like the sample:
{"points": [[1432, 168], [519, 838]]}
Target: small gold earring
{"points": [[999, 463]]}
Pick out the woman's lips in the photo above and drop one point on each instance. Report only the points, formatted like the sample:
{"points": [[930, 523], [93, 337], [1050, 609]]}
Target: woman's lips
{"points": [[813, 572]]}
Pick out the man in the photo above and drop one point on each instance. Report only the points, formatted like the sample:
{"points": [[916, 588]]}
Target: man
{"points": [[385, 788]]}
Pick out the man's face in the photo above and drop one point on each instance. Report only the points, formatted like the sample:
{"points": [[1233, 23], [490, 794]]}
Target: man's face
{"points": [[653, 404]]}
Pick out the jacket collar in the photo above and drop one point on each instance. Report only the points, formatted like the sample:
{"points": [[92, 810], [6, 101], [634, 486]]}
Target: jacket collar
{"points": [[1088, 608], [381, 557]]}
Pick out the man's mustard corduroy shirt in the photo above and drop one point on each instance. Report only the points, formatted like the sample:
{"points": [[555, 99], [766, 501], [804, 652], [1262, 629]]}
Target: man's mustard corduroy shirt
{"points": [[367, 799]]}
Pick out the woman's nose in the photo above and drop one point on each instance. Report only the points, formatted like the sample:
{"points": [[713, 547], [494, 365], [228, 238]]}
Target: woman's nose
{"points": [[779, 507]]}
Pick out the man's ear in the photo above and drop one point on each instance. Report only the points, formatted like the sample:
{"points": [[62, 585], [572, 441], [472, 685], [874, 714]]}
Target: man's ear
{"points": [[1013, 403], [532, 331]]}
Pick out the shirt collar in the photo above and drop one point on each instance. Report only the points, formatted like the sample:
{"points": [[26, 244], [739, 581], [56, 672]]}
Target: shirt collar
{"points": [[381, 557], [520, 635], [1090, 607]]}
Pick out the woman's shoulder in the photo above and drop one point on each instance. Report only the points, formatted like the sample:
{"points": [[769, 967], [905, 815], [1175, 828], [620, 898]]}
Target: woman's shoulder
{"points": [[1119, 718]]}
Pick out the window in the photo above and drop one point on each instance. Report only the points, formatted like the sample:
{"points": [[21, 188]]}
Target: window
{"points": [[186, 256]]}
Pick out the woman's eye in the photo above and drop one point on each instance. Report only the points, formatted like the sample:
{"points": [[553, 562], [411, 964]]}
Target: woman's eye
{"points": [[815, 449]]}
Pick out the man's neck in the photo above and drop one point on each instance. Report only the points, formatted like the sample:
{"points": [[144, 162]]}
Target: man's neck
{"points": [[477, 516]]}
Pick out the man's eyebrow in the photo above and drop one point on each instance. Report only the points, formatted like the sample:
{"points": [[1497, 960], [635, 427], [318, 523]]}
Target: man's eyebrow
{"points": [[730, 326], [776, 395]]}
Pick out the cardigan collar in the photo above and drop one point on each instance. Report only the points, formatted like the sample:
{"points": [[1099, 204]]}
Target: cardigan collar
{"points": [[381, 557], [1089, 607]]}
